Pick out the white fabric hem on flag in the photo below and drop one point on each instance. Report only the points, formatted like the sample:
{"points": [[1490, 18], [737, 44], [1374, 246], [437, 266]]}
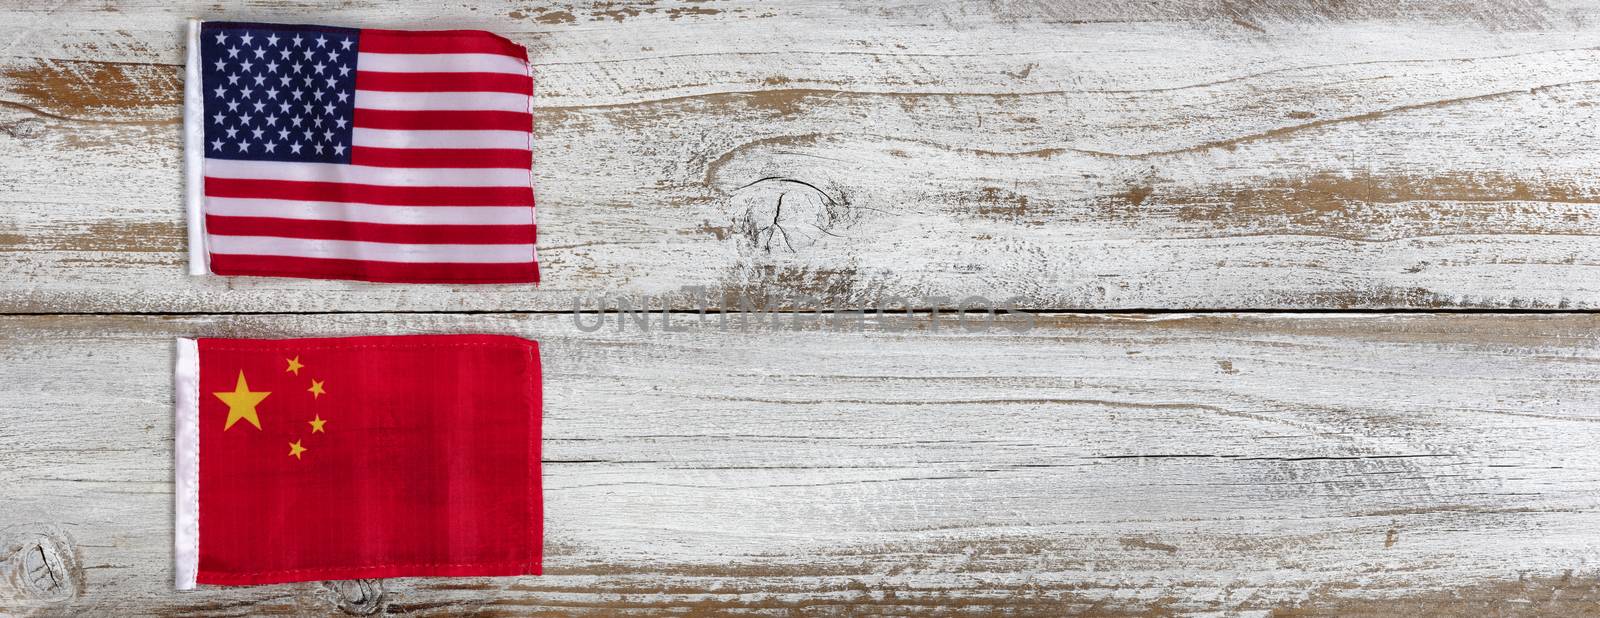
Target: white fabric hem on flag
{"points": [[194, 155], [186, 464], [533, 212]]}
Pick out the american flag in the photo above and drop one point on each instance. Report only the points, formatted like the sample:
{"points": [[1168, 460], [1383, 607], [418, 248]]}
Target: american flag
{"points": [[378, 155]]}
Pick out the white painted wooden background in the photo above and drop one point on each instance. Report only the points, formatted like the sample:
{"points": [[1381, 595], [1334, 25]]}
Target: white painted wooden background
{"points": [[1079, 155], [1087, 156], [1110, 464]]}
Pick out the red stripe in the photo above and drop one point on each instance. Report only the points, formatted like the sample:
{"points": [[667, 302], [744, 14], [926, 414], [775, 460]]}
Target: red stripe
{"points": [[443, 120], [444, 82], [369, 194], [439, 42], [389, 272], [441, 157], [372, 232]]}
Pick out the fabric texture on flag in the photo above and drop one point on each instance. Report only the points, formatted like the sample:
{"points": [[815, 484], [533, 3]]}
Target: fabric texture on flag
{"points": [[343, 153], [364, 457]]}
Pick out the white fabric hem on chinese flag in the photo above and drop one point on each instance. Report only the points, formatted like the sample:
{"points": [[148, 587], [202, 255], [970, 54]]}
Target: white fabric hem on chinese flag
{"points": [[194, 179], [186, 463]]}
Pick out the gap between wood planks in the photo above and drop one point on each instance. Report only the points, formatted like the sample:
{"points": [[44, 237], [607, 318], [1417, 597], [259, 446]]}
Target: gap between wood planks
{"points": [[896, 311]]}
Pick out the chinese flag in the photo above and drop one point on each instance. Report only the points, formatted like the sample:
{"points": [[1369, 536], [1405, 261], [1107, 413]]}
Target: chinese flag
{"points": [[364, 457]]}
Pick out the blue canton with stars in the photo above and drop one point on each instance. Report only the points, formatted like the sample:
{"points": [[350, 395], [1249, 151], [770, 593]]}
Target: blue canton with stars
{"points": [[279, 93]]}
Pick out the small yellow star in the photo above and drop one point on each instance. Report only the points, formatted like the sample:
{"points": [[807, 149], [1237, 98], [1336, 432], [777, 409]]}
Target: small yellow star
{"points": [[241, 403], [316, 389], [295, 449], [317, 423], [294, 365]]}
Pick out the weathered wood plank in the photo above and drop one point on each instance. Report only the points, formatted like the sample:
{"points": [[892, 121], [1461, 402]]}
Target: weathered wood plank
{"points": [[1075, 155], [1236, 464]]}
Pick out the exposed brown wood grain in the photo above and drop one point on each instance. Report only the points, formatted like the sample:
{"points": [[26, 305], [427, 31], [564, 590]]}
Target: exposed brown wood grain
{"points": [[91, 91]]}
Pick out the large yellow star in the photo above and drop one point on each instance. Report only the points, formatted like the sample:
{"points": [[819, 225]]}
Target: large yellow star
{"points": [[317, 423], [316, 389], [294, 365], [295, 449], [241, 403]]}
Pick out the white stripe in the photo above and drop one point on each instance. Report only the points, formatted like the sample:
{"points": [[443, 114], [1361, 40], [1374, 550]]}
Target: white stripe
{"points": [[368, 213], [193, 153], [385, 138], [371, 251], [452, 101], [367, 175], [440, 63], [186, 463]]}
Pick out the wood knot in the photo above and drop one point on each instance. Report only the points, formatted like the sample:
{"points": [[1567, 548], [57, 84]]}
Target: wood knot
{"points": [[357, 597], [40, 564], [26, 128], [788, 215]]}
